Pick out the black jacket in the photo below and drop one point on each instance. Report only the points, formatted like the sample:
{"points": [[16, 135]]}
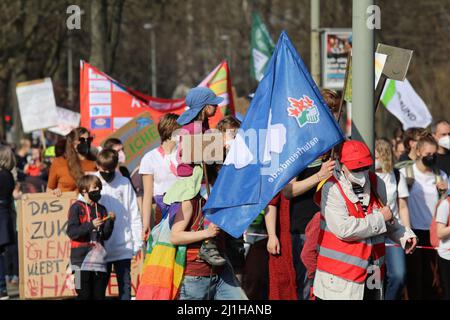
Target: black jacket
{"points": [[81, 230]]}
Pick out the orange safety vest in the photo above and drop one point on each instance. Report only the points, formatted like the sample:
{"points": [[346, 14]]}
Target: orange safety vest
{"points": [[350, 259]]}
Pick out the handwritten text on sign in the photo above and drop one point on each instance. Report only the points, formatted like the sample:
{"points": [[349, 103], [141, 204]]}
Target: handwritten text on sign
{"points": [[44, 249]]}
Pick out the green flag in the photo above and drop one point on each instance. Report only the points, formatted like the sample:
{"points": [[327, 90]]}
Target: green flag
{"points": [[262, 47]]}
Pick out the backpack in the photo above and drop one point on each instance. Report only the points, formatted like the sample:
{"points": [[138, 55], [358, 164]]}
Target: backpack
{"points": [[434, 240], [409, 176]]}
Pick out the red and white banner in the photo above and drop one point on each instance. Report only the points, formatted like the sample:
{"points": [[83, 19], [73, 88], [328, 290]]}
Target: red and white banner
{"points": [[106, 105]]}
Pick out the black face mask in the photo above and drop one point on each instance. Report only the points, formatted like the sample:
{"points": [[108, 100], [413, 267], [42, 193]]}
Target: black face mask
{"points": [[108, 176], [429, 161], [83, 148], [95, 195]]}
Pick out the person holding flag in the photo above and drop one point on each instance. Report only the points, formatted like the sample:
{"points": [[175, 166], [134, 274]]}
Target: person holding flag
{"points": [[263, 157], [207, 274], [354, 223]]}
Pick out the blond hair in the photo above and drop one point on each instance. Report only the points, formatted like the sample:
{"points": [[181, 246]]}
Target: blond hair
{"points": [[385, 154], [7, 158]]}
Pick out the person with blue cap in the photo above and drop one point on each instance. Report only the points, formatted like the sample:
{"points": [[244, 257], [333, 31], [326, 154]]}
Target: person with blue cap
{"points": [[207, 274], [202, 104]]}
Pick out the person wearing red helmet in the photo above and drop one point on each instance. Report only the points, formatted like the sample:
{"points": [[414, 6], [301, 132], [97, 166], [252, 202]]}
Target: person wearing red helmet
{"points": [[354, 224]]}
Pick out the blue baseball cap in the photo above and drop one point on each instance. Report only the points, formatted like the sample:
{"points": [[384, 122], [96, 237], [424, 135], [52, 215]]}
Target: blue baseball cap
{"points": [[196, 99]]}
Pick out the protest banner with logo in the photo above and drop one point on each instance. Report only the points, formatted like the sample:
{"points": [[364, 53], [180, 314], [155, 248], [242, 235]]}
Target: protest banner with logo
{"points": [[139, 136], [67, 121], [287, 126], [106, 105], [405, 104], [336, 45], [37, 104], [44, 249]]}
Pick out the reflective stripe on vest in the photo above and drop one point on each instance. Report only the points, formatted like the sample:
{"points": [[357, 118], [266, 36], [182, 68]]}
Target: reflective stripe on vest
{"points": [[336, 255]]}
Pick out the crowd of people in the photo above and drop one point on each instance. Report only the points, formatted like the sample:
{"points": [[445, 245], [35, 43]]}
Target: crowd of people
{"points": [[336, 231]]}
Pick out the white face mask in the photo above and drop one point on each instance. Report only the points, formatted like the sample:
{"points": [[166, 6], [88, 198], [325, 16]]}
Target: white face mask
{"points": [[359, 178], [122, 157], [444, 142], [377, 165]]}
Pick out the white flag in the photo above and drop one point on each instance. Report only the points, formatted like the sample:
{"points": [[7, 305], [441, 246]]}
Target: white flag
{"points": [[405, 104]]}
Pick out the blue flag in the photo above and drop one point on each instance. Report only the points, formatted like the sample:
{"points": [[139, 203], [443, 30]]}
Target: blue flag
{"points": [[287, 126]]}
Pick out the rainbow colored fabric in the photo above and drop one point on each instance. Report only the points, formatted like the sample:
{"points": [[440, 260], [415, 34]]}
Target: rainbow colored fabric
{"points": [[164, 265]]}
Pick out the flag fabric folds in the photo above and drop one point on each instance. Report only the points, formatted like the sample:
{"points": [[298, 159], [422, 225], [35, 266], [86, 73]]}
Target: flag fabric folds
{"points": [[405, 104], [288, 125], [219, 81], [262, 47], [106, 105], [164, 263]]}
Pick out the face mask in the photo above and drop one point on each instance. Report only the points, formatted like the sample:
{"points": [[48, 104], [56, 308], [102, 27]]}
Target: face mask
{"points": [[122, 157], [444, 142], [83, 148], [358, 178], [108, 176], [429, 161], [377, 165], [94, 195]]}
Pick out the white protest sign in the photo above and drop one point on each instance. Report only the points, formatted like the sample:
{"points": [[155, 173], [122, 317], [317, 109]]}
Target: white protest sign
{"points": [[37, 104], [67, 120], [380, 61]]}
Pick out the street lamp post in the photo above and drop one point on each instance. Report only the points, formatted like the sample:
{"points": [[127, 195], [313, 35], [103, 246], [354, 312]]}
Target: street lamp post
{"points": [[315, 41], [363, 120], [151, 27]]}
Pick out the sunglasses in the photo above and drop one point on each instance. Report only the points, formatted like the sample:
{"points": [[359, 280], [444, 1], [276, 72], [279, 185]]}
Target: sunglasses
{"points": [[84, 140], [361, 169]]}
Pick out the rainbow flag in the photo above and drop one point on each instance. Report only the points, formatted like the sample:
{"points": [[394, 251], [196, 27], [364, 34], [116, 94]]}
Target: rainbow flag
{"points": [[164, 264], [219, 81]]}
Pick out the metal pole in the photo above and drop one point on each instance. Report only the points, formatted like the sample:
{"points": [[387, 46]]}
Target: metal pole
{"points": [[363, 75], [70, 70], [153, 56], [315, 41]]}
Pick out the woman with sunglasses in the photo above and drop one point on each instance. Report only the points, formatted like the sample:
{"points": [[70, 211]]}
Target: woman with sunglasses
{"points": [[76, 161]]}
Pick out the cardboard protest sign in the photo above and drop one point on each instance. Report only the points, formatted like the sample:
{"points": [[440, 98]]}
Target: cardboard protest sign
{"points": [[138, 136], [199, 148], [67, 121], [37, 104], [44, 249]]}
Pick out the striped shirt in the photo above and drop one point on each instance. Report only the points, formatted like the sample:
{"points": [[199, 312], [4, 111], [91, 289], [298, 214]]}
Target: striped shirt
{"points": [[359, 191]]}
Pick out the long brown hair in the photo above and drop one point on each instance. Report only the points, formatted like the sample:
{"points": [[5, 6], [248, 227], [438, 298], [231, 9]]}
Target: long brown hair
{"points": [[71, 153]]}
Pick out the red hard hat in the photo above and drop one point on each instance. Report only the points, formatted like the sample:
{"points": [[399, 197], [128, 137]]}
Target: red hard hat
{"points": [[355, 155]]}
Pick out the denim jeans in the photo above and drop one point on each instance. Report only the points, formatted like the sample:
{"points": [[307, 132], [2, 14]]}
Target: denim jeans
{"points": [[224, 286], [3, 288], [395, 273], [122, 269], [303, 285]]}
